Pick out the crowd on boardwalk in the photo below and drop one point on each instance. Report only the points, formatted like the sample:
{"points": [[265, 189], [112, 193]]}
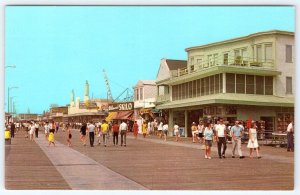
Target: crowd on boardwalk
{"points": [[205, 132]]}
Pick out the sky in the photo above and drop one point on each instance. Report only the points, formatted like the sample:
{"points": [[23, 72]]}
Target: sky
{"points": [[57, 48]]}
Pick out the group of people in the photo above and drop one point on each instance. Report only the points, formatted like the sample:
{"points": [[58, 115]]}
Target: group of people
{"points": [[208, 133], [103, 130]]}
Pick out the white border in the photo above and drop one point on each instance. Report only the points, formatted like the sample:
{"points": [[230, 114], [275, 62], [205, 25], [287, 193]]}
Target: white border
{"points": [[145, 2]]}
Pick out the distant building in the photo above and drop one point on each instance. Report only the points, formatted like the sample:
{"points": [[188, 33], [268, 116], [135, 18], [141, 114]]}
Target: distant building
{"points": [[88, 110], [145, 93], [27, 117], [246, 77]]}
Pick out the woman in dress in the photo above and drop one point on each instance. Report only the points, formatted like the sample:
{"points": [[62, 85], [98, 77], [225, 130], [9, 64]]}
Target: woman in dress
{"points": [[253, 143], [144, 129], [69, 135], [208, 136], [51, 137], [135, 129]]}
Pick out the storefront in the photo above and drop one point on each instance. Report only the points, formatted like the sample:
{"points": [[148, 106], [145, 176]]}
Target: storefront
{"points": [[121, 111], [269, 119]]}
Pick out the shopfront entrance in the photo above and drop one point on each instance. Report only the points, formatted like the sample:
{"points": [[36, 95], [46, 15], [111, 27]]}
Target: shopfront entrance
{"points": [[193, 116]]}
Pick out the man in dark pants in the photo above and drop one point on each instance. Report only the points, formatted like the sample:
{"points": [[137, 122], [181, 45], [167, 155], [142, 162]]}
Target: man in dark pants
{"points": [[37, 129], [91, 129], [221, 138], [123, 129], [115, 128], [12, 130], [290, 137]]}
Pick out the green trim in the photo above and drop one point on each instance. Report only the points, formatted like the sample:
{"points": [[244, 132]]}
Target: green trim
{"points": [[235, 99], [220, 69]]}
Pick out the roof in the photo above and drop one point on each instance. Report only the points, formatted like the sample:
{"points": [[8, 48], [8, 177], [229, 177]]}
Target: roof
{"points": [[176, 64], [241, 38], [145, 82]]}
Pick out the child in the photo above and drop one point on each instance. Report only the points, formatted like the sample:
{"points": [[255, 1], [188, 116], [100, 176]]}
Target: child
{"points": [[51, 137]]}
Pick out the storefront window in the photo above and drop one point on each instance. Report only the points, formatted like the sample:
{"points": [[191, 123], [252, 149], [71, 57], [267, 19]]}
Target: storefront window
{"points": [[259, 85], [230, 83], [190, 87], [240, 83], [202, 87], [268, 85], [217, 83], [198, 87], [194, 88], [249, 84], [211, 84], [206, 86]]}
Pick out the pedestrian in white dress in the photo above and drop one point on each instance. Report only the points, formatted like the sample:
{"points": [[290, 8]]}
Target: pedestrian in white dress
{"points": [[253, 143]]}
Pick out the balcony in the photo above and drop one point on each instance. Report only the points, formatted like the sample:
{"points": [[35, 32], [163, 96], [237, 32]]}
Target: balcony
{"points": [[163, 98], [239, 62]]}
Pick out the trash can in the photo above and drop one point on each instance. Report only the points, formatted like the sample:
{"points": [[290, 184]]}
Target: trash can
{"points": [[7, 137]]}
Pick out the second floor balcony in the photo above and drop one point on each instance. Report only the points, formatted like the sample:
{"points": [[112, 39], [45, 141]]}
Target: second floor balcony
{"points": [[232, 62]]}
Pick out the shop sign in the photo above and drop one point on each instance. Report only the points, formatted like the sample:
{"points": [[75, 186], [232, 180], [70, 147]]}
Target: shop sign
{"points": [[124, 106]]}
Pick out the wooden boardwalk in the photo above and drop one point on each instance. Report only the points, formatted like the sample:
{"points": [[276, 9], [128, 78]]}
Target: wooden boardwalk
{"points": [[156, 165]]}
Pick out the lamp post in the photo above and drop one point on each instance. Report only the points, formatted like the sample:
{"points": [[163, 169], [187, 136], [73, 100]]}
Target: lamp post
{"points": [[10, 66], [11, 103], [8, 89]]}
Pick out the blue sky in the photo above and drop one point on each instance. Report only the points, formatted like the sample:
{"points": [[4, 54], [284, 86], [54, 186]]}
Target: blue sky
{"points": [[56, 48]]}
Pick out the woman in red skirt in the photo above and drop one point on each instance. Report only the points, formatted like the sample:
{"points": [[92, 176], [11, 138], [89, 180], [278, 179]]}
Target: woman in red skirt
{"points": [[135, 129]]}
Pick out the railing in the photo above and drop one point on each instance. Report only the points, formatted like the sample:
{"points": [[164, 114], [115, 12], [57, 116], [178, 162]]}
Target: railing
{"points": [[163, 98], [238, 61]]}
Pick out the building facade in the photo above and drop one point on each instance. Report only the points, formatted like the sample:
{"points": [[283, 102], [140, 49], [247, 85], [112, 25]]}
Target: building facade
{"points": [[241, 78], [144, 101]]}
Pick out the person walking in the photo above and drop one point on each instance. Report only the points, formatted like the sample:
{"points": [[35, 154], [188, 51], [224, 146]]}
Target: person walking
{"points": [[144, 129], [290, 137], [51, 139], [32, 130], [201, 129], [194, 131], [12, 130], [123, 129], [159, 129], [115, 129], [83, 134], [165, 131], [36, 129], [221, 138], [135, 129], [155, 126], [91, 129], [69, 135], [208, 137], [56, 127], [104, 131], [253, 143], [46, 128], [237, 134], [176, 132]]}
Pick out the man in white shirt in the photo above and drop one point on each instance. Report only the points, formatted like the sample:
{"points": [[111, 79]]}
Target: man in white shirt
{"points": [[165, 131], [290, 137], [123, 130], [37, 129], [91, 129], [221, 137]]}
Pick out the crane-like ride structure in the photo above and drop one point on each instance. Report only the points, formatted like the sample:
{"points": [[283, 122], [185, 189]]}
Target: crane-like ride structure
{"points": [[128, 97]]}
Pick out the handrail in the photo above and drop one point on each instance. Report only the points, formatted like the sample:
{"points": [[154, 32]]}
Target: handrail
{"points": [[247, 62]]}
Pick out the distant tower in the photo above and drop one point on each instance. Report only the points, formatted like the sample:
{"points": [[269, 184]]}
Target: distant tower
{"points": [[72, 98], [86, 92], [28, 111]]}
